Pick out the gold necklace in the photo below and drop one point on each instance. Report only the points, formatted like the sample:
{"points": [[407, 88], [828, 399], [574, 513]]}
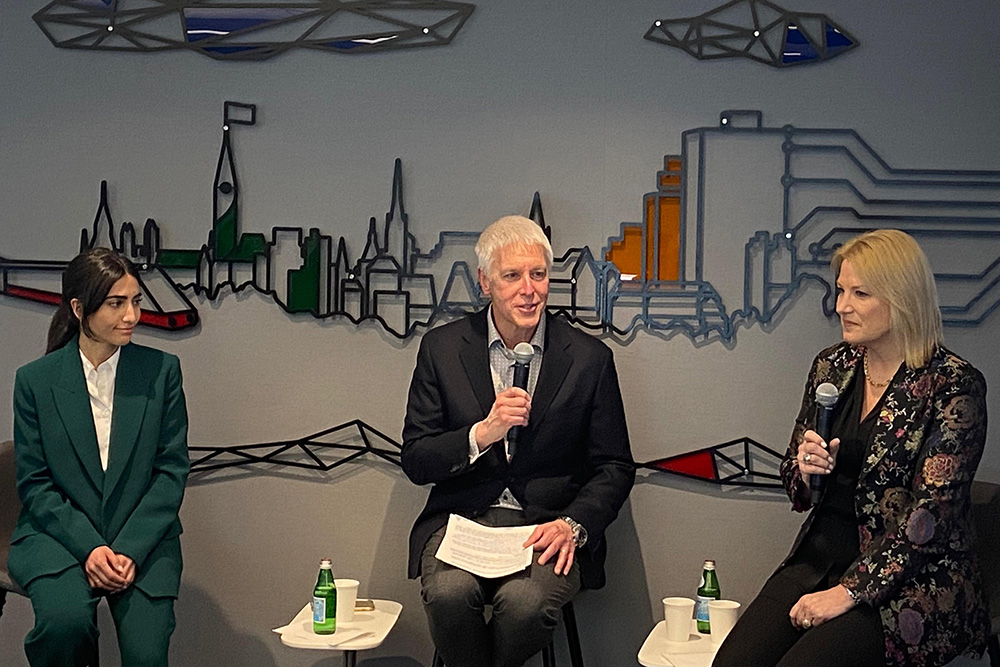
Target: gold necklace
{"points": [[877, 385]]}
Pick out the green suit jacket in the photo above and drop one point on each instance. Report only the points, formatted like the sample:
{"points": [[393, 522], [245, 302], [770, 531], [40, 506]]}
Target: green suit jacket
{"points": [[70, 505]]}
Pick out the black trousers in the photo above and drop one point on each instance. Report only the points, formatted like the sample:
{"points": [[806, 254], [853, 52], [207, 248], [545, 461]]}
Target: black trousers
{"points": [[765, 637]]}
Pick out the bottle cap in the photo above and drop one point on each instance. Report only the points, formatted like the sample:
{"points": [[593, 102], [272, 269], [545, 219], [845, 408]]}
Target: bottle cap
{"points": [[326, 564], [709, 564]]}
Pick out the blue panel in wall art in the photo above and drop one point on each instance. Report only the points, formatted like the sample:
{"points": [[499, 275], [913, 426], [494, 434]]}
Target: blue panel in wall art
{"points": [[755, 29], [800, 193], [247, 30]]}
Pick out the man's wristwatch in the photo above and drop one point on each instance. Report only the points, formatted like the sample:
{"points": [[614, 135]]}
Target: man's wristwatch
{"points": [[579, 532]]}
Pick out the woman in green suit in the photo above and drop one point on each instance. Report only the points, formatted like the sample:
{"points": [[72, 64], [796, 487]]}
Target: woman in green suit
{"points": [[100, 434]]}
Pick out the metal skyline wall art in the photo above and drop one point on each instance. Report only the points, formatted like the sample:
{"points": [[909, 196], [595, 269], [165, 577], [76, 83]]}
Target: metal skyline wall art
{"points": [[757, 30], [670, 273], [323, 451], [249, 29], [738, 463]]}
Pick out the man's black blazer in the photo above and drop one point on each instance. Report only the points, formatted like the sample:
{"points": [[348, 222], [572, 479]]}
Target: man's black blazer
{"points": [[573, 458]]}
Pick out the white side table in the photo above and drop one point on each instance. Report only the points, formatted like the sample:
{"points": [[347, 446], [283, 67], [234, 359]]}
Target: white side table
{"points": [[658, 651], [373, 625]]}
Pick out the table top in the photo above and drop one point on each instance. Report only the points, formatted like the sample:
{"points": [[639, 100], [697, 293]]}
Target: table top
{"points": [[368, 629], [658, 651]]}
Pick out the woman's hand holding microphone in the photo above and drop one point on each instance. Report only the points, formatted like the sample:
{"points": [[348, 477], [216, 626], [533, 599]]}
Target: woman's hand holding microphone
{"points": [[816, 457]]}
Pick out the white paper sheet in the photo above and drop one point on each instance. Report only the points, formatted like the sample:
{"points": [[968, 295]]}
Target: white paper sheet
{"points": [[485, 551], [302, 631]]}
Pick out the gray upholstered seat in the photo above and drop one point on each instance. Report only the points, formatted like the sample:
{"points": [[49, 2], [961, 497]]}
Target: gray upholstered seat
{"points": [[10, 506]]}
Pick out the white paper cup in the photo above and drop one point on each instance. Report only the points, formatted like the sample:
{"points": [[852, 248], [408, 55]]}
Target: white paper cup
{"points": [[347, 596], [722, 615], [678, 613]]}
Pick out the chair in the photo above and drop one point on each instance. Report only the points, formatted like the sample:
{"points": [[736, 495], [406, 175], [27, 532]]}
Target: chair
{"points": [[10, 507], [986, 517], [549, 652]]}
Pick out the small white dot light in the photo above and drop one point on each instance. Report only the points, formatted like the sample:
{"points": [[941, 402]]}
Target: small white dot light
{"points": [[658, 24], [788, 235], [725, 121], [756, 33], [225, 128], [110, 28], [426, 30]]}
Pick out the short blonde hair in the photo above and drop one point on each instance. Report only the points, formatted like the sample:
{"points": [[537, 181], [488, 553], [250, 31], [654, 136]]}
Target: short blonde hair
{"points": [[895, 269], [511, 230]]}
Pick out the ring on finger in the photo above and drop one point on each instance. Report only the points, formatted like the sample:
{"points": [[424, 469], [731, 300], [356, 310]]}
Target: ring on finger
{"points": [[806, 623], [807, 458]]}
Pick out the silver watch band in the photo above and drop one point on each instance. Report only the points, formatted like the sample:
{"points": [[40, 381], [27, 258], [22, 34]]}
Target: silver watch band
{"points": [[579, 532]]}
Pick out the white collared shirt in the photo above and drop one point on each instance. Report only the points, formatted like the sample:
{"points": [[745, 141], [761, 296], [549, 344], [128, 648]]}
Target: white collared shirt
{"points": [[502, 372], [101, 387]]}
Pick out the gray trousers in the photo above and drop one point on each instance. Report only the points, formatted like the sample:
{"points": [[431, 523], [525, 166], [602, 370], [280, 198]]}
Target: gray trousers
{"points": [[525, 605]]}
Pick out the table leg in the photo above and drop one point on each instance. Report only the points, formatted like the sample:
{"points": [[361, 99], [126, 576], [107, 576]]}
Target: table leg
{"points": [[350, 658]]}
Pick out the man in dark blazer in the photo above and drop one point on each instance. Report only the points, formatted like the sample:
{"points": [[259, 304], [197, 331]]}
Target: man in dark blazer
{"points": [[72, 507], [570, 473]]}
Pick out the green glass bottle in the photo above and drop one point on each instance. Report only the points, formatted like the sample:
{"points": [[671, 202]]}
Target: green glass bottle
{"points": [[708, 590], [325, 600]]}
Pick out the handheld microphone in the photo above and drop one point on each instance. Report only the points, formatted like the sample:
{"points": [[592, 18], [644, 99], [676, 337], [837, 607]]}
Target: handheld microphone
{"points": [[826, 398], [523, 354]]}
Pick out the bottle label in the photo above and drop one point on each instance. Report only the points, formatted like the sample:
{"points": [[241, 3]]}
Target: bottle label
{"points": [[701, 608], [319, 610]]}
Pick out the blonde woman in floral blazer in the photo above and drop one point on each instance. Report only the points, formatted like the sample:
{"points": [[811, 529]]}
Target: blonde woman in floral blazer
{"points": [[911, 589]]}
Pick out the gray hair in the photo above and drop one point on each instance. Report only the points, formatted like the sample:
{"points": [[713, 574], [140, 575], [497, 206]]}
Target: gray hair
{"points": [[511, 230]]}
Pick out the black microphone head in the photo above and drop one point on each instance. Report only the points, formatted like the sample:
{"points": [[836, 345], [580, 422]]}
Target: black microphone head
{"points": [[827, 395], [524, 352]]}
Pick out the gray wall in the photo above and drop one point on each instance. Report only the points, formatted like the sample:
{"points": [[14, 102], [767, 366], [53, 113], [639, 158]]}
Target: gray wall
{"points": [[564, 98]]}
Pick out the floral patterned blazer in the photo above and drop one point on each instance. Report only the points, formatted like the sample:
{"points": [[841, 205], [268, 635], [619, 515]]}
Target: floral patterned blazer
{"points": [[917, 565]]}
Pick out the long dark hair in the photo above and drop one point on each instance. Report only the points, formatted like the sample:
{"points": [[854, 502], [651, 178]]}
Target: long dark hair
{"points": [[88, 278]]}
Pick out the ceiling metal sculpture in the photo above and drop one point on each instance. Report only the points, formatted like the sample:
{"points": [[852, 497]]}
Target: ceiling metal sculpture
{"points": [[757, 30], [251, 30]]}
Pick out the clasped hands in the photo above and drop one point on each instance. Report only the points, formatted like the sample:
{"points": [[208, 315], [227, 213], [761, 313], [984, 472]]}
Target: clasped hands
{"points": [[108, 570]]}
